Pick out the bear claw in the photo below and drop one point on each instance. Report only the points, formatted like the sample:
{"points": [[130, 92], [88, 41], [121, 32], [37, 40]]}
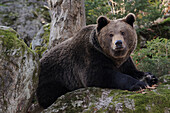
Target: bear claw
{"points": [[150, 79], [138, 86]]}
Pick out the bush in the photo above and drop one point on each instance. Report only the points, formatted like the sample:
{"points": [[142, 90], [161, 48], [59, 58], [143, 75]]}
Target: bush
{"points": [[146, 11], [154, 58], [95, 8]]}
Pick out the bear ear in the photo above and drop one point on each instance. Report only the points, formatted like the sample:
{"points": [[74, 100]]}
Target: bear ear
{"points": [[101, 22], [130, 19]]}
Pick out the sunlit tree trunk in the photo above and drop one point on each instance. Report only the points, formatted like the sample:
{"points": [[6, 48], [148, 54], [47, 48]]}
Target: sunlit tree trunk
{"points": [[67, 18]]}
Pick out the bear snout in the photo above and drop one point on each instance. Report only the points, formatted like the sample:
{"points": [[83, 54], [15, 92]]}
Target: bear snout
{"points": [[119, 44]]}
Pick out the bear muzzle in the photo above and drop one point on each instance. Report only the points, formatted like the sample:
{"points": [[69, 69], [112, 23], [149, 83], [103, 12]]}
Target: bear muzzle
{"points": [[118, 45]]}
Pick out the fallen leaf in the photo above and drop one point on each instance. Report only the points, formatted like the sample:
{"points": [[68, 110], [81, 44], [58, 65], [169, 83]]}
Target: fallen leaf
{"points": [[144, 92]]}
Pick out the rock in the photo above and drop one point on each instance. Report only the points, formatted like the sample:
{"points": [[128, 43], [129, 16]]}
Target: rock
{"points": [[24, 16], [41, 40], [165, 79], [18, 73], [96, 100]]}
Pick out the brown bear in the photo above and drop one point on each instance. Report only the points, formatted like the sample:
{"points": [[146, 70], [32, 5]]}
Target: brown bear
{"points": [[97, 56]]}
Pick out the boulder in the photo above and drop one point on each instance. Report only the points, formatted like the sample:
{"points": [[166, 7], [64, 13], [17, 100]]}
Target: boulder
{"points": [[165, 79], [19, 67], [24, 16], [41, 40], [97, 100]]}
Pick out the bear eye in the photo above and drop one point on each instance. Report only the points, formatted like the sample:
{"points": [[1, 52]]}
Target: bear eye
{"points": [[122, 33], [111, 35]]}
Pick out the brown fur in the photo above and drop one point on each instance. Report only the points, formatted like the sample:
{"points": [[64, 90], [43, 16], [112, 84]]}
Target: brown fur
{"points": [[92, 58], [107, 43]]}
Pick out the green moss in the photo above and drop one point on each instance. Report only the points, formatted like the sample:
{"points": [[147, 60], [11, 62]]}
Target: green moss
{"points": [[46, 33], [45, 36], [10, 18], [40, 50], [116, 93], [10, 41], [44, 12], [157, 100], [3, 5], [163, 90], [165, 79], [154, 101], [8, 37]]}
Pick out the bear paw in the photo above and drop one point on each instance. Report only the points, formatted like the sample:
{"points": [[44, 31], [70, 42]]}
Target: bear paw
{"points": [[139, 85], [150, 79]]}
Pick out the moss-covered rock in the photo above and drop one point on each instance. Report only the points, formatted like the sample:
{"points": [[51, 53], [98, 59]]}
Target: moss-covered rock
{"points": [[41, 40], [18, 72], [25, 16], [165, 79], [96, 100]]}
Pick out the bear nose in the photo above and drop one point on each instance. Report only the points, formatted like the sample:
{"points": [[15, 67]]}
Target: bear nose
{"points": [[118, 43]]}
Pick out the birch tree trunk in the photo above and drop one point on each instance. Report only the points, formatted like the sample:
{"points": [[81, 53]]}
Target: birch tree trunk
{"points": [[67, 18]]}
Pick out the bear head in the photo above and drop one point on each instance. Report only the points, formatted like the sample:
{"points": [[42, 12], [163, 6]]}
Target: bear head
{"points": [[117, 38]]}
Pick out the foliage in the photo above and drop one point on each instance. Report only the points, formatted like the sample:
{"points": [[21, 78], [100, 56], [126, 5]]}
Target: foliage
{"points": [[154, 58], [95, 8], [145, 11], [158, 30]]}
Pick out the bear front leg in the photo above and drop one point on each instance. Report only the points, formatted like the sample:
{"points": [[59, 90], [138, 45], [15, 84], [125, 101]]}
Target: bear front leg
{"points": [[109, 78], [125, 82], [129, 68]]}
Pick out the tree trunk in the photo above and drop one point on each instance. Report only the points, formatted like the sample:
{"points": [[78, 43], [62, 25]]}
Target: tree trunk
{"points": [[67, 18]]}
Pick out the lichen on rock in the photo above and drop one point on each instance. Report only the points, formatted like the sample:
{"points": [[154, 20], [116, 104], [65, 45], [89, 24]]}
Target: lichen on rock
{"points": [[41, 40], [165, 79], [25, 16], [18, 72], [97, 100]]}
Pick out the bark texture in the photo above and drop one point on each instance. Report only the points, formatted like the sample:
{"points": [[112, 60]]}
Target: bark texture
{"points": [[68, 17]]}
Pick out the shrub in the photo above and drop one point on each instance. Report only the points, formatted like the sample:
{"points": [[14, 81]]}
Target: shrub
{"points": [[146, 11], [95, 8], [154, 58]]}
